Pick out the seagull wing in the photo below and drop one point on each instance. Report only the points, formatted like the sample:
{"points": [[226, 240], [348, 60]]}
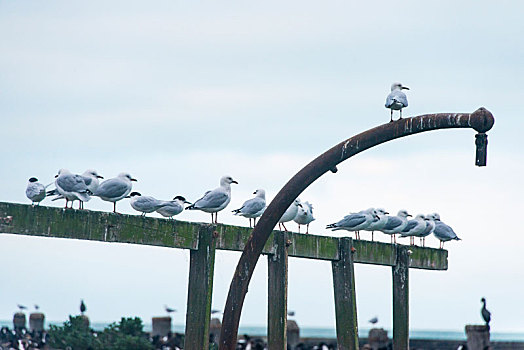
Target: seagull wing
{"points": [[396, 96], [71, 183], [393, 222], [212, 199], [351, 220], [411, 224], [112, 188], [252, 206]]}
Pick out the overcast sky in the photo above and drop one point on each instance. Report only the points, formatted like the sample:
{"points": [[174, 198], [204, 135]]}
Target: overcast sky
{"points": [[181, 93]]}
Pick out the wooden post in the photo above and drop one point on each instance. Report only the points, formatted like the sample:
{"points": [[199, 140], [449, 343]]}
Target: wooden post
{"points": [[200, 289], [277, 294], [401, 300], [345, 300]]}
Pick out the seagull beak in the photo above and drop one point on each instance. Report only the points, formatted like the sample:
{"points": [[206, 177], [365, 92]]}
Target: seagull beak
{"points": [[234, 182], [300, 205], [56, 176], [187, 202], [99, 177], [410, 215], [255, 192], [134, 180], [128, 196], [405, 88], [386, 213]]}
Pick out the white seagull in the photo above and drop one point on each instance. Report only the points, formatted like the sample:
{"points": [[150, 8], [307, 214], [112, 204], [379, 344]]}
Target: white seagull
{"points": [[396, 224], [172, 208], [378, 222], [430, 226], [414, 228], [71, 187], [115, 189], [144, 204], [442, 231], [215, 200], [91, 179], [35, 191], [355, 221], [289, 214], [254, 207], [304, 216], [397, 99]]}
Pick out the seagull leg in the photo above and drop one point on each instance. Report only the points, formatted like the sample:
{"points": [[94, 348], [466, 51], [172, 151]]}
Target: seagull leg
{"points": [[250, 223], [400, 114], [216, 217], [372, 233], [391, 120], [298, 228], [395, 239], [114, 207], [307, 229], [284, 226]]}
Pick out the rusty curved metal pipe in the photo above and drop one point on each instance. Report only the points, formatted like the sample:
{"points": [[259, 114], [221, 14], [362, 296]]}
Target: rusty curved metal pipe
{"points": [[481, 120]]}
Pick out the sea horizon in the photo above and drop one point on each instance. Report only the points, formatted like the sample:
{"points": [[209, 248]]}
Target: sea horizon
{"points": [[321, 332]]}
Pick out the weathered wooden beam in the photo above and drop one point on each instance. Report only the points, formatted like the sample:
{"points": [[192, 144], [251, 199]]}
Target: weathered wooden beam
{"points": [[122, 228], [277, 294], [200, 290], [345, 297], [401, 299]]}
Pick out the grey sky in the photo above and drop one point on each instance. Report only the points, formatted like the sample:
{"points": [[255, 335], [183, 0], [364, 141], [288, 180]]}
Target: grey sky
{"points": [[176, 92]]}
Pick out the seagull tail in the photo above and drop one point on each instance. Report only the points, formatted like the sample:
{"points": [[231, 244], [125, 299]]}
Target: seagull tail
{"points": [[457, 239], [331, 226], [236, 211]]}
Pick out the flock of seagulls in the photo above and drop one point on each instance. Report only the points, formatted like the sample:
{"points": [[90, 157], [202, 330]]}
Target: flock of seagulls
{"points": [[378, 220], [75, 187]]}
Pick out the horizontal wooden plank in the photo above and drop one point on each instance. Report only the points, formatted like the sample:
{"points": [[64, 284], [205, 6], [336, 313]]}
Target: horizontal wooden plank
{"points": [[108, 227]]}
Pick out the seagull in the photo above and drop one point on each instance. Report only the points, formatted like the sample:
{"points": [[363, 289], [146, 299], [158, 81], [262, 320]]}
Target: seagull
{"points": [[414, 228], [144, 204], [355, 221], [71, 187], [379, 223], [253, 208], [215, 200], [486, 315], [374, 320], [21, 307], [396, 99], [213, 311], [396, 224], [83, 307], [290, 213], [169, 310], [291, 313], [115, 189], [35, 191], [172, 208], [91, 179], [442, 231], [430, 226], [304, 216]]}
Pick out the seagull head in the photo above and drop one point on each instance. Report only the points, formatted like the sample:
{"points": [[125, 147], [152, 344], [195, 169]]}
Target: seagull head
{"points": [[33, 179], [382, 211], [403, 213], [134, 194], [260, 193], [181, 199], [92, 173], [127, 176], [420, 217], [435, 216], [398, 86], [227, 180], [483, 300], [61, 172]]}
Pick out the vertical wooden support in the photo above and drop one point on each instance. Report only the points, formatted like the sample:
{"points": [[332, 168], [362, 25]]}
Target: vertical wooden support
{"points": [[200, 289], [401, 300], [277, 294], [345, 297]]}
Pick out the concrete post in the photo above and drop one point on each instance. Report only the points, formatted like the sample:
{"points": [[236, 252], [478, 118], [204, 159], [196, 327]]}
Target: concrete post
{"points": [[161, 326], [36, 322], [293, 334], [19, 321], [378, 338], [215, 327], [478, 337]]}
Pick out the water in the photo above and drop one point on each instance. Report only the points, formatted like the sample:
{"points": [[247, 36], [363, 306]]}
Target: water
{"points": [[317, 332]]}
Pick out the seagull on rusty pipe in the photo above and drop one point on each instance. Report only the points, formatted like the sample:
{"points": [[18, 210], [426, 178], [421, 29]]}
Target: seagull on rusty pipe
{"points": [[397, 99], [215, 200], [254, 207]]}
